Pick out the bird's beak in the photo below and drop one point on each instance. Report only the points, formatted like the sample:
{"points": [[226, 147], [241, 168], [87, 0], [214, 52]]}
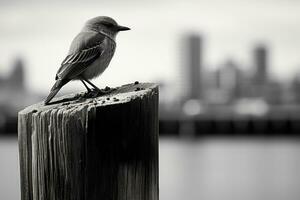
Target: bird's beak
{"points": [[122, 28]]}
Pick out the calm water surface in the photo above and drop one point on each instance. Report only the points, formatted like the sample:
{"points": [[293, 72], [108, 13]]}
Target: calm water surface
{"points": [[208, 169]]}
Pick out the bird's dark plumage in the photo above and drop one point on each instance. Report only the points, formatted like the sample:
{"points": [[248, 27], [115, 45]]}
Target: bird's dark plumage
{"points": [[89, 55], [85, 49], [55, 89]]}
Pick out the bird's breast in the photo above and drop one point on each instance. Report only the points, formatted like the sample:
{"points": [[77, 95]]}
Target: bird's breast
{"points": [[102, 62]]}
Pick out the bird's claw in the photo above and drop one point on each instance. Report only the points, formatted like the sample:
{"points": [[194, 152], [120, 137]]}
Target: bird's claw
{"points": [[98, 92], [106, 90]]}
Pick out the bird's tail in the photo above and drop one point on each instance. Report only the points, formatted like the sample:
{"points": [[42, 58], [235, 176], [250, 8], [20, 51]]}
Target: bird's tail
{"points": [[54, 90]]}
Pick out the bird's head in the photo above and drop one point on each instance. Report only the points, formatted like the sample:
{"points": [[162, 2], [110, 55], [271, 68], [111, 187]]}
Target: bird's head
{"points": [[105, 25]]}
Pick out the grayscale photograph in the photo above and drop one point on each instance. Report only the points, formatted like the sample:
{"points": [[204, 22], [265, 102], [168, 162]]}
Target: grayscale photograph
{"points": [[149, 100]]}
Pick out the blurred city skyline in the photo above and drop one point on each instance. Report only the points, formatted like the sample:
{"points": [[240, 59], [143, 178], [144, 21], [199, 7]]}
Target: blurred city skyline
{"points": [[41, 32]]}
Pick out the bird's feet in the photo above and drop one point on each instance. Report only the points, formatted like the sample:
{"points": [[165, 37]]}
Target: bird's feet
{"points": [[106, 90], [98, 92]]}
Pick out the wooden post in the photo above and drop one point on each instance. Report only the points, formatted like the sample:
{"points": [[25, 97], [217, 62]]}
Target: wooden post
{"points": [[91, 148]]}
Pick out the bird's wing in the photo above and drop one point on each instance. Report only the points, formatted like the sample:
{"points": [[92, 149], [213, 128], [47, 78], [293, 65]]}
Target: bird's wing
{"points": [[84, 50]]}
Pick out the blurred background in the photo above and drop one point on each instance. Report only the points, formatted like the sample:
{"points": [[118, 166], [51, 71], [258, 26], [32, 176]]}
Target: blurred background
{"points": [[229, 76]]}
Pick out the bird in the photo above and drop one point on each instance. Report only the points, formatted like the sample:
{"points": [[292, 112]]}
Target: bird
{"points": [[89, 54]]}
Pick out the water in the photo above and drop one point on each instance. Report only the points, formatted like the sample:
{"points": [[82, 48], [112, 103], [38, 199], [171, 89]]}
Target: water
{"points": [[209, 169], [229, 169], [9, 169]]}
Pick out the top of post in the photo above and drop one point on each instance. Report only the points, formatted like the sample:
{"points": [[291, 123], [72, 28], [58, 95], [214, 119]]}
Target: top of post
{"points": [[119, 95]]}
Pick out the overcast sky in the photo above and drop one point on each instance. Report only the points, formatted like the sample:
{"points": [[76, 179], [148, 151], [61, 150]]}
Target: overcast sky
{"points": [[41, 32]]}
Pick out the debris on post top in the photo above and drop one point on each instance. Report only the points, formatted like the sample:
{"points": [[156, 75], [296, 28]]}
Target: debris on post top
{"points": [[118, 95], [91, 148]]}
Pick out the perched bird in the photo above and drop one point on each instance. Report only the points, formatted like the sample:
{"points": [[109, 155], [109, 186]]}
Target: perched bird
{"points": [[89, 54]]}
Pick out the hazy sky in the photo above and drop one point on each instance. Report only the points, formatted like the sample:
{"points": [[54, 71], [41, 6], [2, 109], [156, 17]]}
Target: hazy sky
{"points": [[41, 32]]}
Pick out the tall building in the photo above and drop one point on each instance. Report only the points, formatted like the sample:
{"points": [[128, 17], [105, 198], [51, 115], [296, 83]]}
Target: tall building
{"points": [[16, 79], [193, 66], [261, 65], [296, 88], [229, 80]]}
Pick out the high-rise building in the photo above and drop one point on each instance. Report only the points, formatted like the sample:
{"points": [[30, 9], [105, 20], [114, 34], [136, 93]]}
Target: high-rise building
{"points": [[261, 65], [296, 88], [229, 79], [193, 66], [16, 79]]}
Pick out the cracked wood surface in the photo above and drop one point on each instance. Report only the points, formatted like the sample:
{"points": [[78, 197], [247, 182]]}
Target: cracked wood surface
{"points": [[91, 148]]}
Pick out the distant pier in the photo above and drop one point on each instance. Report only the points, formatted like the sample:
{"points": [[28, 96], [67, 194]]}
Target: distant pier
{"points": [[282, 121]]}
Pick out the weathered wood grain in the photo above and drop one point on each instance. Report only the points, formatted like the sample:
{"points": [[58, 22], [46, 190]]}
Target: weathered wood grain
{"points": [[91, 148]]}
